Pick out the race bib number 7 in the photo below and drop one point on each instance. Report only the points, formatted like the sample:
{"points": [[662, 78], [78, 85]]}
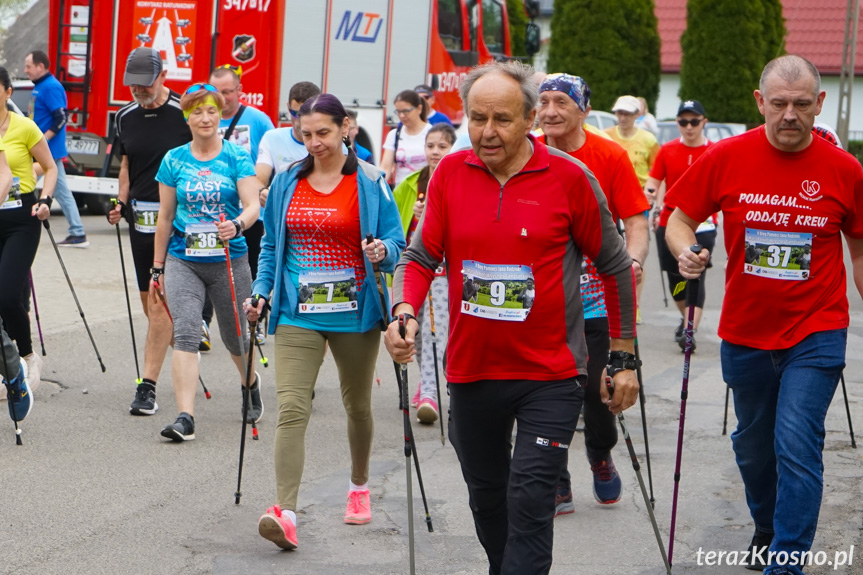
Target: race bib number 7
{"points": [[496, 291], [778, 255], [202, 240], [328, 291]]}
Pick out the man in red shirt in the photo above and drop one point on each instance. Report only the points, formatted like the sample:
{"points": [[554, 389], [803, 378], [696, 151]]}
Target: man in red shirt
{"points": [[509, 213], [787, 199], [673, 160], [564, 102]]}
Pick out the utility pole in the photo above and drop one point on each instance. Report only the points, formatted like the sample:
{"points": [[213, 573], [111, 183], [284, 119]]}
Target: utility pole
{"points": [[846, 77]]}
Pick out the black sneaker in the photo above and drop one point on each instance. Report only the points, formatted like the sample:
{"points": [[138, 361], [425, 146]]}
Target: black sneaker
{"points": [[678, 332], [74, 242], [682, 341], [256, 407], [756, 553], [183, 429], [145, 400]]}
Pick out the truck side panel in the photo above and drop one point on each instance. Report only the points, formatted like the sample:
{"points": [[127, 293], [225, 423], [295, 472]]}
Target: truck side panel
{"points": [[303, 43]]}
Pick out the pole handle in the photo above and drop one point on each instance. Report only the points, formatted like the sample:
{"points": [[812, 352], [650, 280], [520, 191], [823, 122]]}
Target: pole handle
{"points": [[693, 284]]}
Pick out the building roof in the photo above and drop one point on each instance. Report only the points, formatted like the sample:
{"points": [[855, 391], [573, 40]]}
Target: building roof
{"points": [[816, 30]]}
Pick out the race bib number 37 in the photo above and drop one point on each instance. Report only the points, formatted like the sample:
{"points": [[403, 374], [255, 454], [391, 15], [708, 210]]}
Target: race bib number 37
{"points": [[328, 291], [778, 255], [202, 240], [495, 291]]}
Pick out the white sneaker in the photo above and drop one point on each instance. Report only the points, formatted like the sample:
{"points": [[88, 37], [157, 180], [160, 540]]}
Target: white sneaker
{"points": [[34, 370]]}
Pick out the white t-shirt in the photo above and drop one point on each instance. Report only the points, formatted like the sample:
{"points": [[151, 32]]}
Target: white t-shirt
{"points": [[279, 149], [411, 155]]}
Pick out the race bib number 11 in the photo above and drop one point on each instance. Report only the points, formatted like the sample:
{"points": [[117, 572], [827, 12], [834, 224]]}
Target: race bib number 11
{"points": [[499, 292], [778, 255], [145, 214]]}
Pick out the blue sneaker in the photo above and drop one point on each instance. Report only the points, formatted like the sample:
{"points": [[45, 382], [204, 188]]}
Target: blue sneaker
{"points": [[606, 481], [18, 395], [563, 500]]}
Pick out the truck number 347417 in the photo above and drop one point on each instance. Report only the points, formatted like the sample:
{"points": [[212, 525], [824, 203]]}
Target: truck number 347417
{"points": [[259, 5]]}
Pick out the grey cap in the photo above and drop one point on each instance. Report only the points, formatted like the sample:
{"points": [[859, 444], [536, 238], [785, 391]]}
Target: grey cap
{"points": [[142, 67]]}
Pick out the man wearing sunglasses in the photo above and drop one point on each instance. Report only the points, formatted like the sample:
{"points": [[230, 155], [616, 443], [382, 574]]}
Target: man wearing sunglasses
{"points": [[673, 160]]}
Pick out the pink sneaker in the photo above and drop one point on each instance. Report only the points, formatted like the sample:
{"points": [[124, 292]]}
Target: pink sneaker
{"points": [[359, 509], [427, 411], [278, 528], [416, 400]]}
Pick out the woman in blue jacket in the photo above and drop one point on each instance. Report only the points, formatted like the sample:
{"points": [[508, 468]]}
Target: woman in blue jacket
{"points": [[318, 213]]}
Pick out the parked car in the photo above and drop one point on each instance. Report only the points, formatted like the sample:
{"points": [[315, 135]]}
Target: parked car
{"points": [[601, 120], [668, 131]]}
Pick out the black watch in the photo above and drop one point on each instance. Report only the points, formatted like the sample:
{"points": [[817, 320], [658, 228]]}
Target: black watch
{"points": [[238, 224], [620, 361]]}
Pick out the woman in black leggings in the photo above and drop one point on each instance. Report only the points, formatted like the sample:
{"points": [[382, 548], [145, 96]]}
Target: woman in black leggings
{"points": [[20, 225]]}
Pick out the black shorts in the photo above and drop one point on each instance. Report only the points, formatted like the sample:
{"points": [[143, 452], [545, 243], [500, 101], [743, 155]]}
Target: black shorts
{"points": [[142, 256], [668, 262]]}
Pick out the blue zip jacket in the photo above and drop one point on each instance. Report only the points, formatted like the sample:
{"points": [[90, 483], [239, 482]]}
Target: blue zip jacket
{"points": [[379, 216]]}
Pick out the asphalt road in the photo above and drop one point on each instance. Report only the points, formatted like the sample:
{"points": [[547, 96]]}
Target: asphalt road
{"points": [[94, 490]]}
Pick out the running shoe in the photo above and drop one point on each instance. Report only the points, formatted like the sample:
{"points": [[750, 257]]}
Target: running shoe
{"points": [[427, 411], [563, 500], [34, 370], [416, 399], [256, 406], [678, 332], [74, 242], [205, 337], [19, 396], [145, 400], [606, 481], [278, 528], [260, 334], [756, 556], [183, 429], [359, 510]]}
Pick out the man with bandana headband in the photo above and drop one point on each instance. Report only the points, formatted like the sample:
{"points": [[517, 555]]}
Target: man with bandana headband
{"points": [[564, 102]]}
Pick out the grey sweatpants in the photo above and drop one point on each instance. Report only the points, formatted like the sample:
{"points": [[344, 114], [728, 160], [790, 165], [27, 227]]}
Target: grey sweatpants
{"points": [[423, 343], [186, 286]]}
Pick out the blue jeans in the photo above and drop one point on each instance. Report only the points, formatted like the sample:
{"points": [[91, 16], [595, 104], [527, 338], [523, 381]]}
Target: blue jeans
{"points": [[64, 197], [781, 399]]}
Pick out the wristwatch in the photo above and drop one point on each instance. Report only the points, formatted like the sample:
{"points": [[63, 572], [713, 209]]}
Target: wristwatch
{"points": [[620, 361], [240, 226]]}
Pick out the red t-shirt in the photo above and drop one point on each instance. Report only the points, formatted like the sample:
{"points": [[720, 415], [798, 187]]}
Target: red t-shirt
{"points": [[783, 213], [610, 163], [673, 160]]}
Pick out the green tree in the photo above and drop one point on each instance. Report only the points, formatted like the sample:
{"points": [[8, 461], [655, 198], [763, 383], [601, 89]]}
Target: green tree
{"points": [[613, 45], [725, 46], [517, 27]]}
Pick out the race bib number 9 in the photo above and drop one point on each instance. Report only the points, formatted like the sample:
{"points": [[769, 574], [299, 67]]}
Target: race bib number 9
{"points": [[499, 292], [145, 215], [202, 240], [14, 199], [778, 255], [328, 291]]}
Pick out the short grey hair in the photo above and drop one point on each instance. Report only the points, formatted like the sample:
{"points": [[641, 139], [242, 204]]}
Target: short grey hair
{"points": [[521, 73], [790, 68]]}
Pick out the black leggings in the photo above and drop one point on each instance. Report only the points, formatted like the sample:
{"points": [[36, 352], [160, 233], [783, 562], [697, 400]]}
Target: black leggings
{"points": [[19, 239], [670, 265]]}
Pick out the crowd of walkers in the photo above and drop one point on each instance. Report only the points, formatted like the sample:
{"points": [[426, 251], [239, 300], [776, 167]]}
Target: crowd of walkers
{"points": [[536, 229]]}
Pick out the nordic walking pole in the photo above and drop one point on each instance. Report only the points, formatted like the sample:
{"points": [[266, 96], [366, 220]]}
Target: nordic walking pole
{"points": [[3, 339], [246, 401], [404, 401], [648, 503], [644, 421], [74, 295], [128, 303], [725, 418], [848, 410], [36, 311], [246, 391], [436, 374], [263, 359], [691, 298], [404, 405], [662, 278]]}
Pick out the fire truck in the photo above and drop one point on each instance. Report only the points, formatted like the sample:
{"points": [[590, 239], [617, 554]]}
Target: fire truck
{"points": [[363, 51]]}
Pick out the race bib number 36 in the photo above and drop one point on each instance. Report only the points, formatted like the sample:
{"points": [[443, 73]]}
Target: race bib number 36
{"points": [[202, 240], [778, 255], [328, 291], [145, 214], [495, 291]]}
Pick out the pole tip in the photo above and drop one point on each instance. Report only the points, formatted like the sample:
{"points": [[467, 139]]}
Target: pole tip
{"points": [[237, 496], [102, 365], [255, 433], [208, 395]]}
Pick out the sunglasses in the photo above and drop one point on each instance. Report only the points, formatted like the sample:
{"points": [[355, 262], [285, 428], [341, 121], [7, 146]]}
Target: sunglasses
{"points": [[406, 111], [693, 122], [200, 86], [294, 113], [238, 70]]}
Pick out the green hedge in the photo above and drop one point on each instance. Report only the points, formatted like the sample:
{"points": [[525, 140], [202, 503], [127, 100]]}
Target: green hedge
{"points": [[856, 148]]}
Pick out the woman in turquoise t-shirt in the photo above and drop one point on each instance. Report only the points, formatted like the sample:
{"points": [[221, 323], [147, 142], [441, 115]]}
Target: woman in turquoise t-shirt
{"points": [[198, 184]]}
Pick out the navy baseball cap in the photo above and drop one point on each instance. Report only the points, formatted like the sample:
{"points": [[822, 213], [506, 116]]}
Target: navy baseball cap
{"points": [[693, 106], [142, 67]]}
